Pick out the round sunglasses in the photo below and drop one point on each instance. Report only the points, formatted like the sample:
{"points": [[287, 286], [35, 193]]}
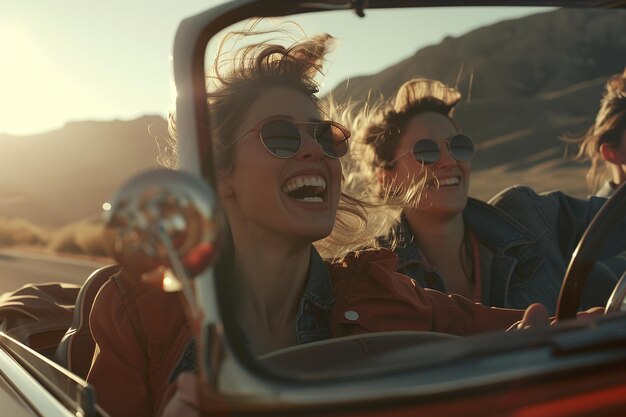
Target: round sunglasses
{"points": [[283, 137], [427, 151]]}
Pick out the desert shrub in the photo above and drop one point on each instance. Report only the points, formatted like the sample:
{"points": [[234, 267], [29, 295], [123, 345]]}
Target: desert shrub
{"points": [[83, 237], [21, 232]]}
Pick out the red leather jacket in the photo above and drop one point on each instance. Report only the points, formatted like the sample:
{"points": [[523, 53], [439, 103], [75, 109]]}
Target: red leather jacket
{"points": [[385, 300], [141, 332]]}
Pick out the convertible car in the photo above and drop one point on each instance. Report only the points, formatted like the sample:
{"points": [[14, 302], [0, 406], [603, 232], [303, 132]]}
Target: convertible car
{"points": [[171, 218]]}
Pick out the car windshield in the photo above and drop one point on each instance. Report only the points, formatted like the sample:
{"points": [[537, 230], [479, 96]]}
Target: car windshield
{"points": [[522, 96], [530, 81]]}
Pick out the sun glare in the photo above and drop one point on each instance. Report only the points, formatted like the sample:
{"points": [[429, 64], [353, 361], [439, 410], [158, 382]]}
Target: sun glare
{"points": [[36, 86], [20, 67]]}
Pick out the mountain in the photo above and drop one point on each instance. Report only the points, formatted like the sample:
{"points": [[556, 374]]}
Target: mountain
{"points": [[65, 175], [532, 79], [525, 57]]}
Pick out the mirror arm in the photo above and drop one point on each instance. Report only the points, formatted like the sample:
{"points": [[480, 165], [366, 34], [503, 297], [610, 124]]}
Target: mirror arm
{"points": [[209, 333], [180, 273]]}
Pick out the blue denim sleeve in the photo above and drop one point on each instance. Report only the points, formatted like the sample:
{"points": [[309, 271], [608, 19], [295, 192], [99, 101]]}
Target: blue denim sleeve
{"points": [[565, 217], [562, 220]]}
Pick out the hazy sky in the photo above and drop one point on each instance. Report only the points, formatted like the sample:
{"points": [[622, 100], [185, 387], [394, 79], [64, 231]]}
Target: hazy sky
{"points": [[76, 59]]}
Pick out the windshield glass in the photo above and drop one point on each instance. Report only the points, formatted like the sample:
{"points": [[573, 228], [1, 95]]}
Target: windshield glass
{"points": [[522, 86]]}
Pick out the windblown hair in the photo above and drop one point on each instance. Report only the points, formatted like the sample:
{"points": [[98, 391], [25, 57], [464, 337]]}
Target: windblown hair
{"points": [[374, 147], [383, 125], [609, 126], [239, 78], [388, 123]]}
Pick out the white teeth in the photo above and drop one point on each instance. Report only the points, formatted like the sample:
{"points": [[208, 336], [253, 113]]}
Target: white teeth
{"points": [[311, 199], [449, 181], [299, 182]]}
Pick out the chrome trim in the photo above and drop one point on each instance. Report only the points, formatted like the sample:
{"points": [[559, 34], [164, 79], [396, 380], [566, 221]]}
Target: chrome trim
{"points": [[30, 389]]}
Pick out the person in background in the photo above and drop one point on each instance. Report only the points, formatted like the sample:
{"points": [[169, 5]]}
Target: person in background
{"points": [[604, 143], [510, 252]]}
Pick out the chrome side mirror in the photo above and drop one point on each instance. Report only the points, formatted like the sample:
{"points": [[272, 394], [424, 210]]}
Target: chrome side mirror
{"points": [[163, 218], [170, 219]]}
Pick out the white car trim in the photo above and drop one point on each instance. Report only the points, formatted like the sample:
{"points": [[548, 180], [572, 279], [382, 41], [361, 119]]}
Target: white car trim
{"points": [[30, 389]]}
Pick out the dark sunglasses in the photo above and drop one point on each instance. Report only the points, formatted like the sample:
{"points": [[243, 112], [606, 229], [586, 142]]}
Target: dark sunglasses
{"points": [[283, 137], [427, 151]]}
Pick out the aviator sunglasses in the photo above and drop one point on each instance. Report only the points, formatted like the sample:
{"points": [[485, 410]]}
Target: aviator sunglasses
{"points": [[427, 151], [283, 137]]}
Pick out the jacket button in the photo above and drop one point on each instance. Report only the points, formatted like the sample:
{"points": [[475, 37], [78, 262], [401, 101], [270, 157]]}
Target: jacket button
{"points": [[351, 315]]}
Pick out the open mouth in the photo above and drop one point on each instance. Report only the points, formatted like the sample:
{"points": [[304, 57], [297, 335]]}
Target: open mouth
{"points": [[308, 188], [444, 182]]}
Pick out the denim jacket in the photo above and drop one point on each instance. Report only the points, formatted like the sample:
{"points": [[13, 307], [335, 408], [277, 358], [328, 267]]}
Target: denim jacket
{"points": [[526, 241]]}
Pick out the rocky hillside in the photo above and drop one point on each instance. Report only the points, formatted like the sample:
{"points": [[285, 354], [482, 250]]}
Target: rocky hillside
{"points": [[65, 175], [528, 81]]}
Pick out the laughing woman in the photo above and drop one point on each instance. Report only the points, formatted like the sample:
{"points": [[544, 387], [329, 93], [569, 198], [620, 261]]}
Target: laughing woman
{"points": [[511, 252], [280, 183]]}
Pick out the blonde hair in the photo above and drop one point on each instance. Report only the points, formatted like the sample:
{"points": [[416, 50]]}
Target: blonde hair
{"points": [[609, 126], [357, 232]]}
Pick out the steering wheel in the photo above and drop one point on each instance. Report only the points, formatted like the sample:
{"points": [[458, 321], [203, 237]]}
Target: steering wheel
{"points": [[346, 355], [587, 252]]}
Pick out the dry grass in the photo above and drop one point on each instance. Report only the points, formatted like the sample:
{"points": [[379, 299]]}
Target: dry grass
{"points": [[82, 237], [79, 238], [15, 232]]}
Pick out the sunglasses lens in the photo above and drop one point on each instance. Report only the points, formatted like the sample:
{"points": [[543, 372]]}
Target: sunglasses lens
{"points": [[462, 147], [281, 138], [426, 151], [331, 139]]}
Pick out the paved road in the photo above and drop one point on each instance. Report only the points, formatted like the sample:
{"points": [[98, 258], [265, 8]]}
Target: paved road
{"points": [[19, 268]]}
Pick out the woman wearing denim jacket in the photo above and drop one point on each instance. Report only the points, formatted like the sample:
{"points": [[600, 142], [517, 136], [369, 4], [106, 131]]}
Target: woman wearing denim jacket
{"points": [[279, 177], [510, 252]]}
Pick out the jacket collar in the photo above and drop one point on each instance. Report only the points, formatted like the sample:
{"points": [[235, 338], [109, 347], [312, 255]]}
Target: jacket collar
{"points": [[318, 290], [492, 226]]}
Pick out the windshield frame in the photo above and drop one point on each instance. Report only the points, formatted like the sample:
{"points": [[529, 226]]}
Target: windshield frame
{"points": [[242, 374]]}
